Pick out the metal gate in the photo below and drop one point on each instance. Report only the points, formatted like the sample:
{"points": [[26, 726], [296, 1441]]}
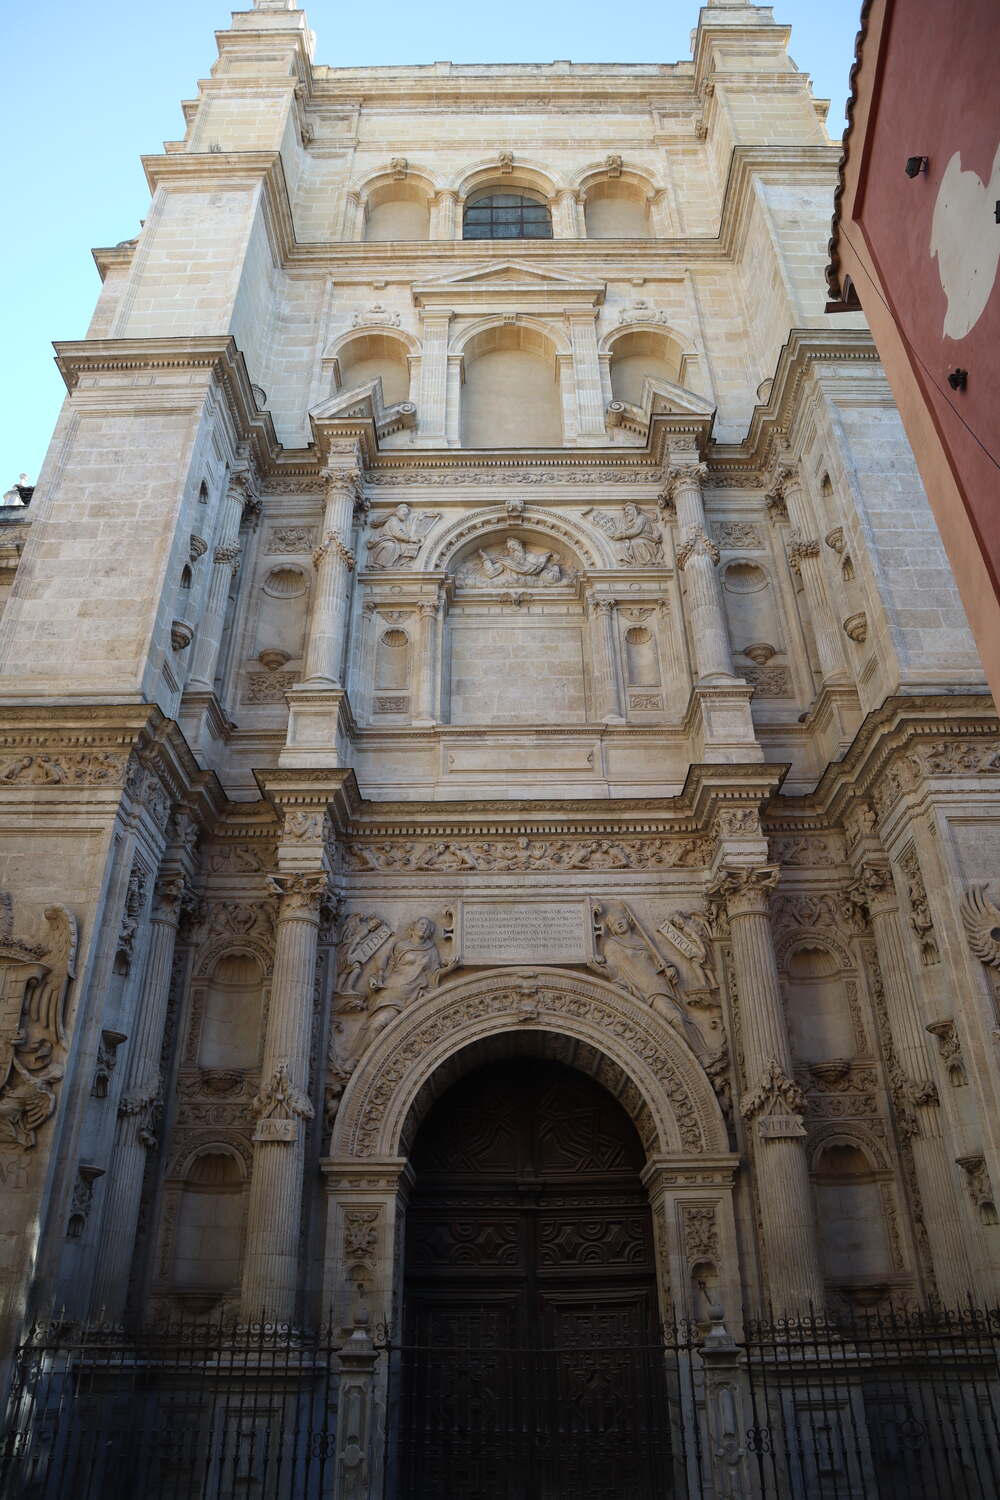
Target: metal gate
{"points": [[574, 1422]]}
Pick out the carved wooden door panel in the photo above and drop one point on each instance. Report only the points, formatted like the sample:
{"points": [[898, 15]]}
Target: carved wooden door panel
{"points": [[530, 1362]]}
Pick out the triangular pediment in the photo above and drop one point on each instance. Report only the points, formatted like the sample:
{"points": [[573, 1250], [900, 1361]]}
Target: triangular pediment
{"points": [[660, 398], [364, 403], [506, 278]]}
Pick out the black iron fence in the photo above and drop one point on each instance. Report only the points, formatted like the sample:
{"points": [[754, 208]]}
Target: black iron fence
{"points": [[897, 1405], [182, 1411], [890, 1406]]}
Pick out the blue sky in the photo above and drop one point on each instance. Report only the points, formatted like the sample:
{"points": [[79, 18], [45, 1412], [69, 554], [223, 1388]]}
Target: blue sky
{"points": [[91, 87]]}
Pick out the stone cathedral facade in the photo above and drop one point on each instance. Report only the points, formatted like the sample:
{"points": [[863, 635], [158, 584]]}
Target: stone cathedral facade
{"points": [[479, 653]]}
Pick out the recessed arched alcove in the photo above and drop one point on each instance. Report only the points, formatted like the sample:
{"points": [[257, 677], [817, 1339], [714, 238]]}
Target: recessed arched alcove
{"points": [[398, 210], [376, 355], [511, 396], [616, 209], [640, 353]]}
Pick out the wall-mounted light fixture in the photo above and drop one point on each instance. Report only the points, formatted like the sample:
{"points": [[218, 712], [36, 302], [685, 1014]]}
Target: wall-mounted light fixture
{"points": [[957, 379], [915, 165]]}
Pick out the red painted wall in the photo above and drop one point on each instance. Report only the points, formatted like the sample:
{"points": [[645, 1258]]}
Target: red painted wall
{"points": [[935, 91]]}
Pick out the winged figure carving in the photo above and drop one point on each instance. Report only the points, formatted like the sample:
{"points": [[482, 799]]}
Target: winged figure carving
{"points": [[981, 919]]}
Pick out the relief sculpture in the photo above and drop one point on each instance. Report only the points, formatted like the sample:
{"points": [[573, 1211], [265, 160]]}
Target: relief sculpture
{"points": [[401, 535], [625, 955], [515, 564], [34, 982], [413, 967], [635, 534]]}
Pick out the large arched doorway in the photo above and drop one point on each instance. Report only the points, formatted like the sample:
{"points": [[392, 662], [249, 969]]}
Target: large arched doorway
{"points": [[531, 1366]]}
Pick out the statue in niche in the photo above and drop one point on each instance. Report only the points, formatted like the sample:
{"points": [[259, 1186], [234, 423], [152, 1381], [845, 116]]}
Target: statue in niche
{"points": [[413, 967], [518, 562], [625, 955], [635, 534], [402, 535]]}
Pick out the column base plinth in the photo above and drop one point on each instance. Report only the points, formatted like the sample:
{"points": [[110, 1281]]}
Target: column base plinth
{"points": [[720, 723], [320, 727]]}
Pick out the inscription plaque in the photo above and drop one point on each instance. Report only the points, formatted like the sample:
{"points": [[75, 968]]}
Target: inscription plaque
{"points": [[515, 932]]}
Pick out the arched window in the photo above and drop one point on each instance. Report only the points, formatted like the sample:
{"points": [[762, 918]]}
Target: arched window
{"points": [[506, 216]]}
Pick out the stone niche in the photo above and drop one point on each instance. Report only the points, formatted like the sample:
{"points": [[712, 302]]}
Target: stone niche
{"points": [[517, 633]]}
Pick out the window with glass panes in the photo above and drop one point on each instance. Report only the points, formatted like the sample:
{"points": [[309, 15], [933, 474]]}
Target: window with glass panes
{"points": [[506, 216]]}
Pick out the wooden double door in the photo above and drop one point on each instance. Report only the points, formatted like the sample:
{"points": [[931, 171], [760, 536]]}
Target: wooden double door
{"points": [[531, 1366]]}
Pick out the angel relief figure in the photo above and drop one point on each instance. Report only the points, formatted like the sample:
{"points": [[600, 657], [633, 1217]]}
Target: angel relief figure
{"points": [[518, 564], [635, 534], [626, 956], [401, 535], [34, 982]]}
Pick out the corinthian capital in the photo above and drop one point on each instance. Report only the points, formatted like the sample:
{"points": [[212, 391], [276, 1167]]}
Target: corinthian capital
{"points": [[686, 474], [876, 882], [696, 544], [745, 891], [343, 480], [300, 895]]}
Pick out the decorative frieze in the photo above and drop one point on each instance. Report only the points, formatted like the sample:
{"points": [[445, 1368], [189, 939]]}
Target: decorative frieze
{"points": [[65, 768], [526, 853], [300, 539]]}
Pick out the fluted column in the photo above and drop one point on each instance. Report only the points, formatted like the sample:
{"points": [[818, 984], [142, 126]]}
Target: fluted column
{"points": [[225, 559], [697, 558], [334, 562], [432, 402], [772, 1104], [565, 216], [804, 556], [587, 376], [141, 1101], [444, 215], [354, 215], [607, 685], [916, 1103], [660, 217], [270, 1267], [428, 613]]}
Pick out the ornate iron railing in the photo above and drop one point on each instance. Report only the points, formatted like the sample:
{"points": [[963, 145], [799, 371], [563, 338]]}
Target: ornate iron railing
{"points": [[175, 1411], [880, 1406]]}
